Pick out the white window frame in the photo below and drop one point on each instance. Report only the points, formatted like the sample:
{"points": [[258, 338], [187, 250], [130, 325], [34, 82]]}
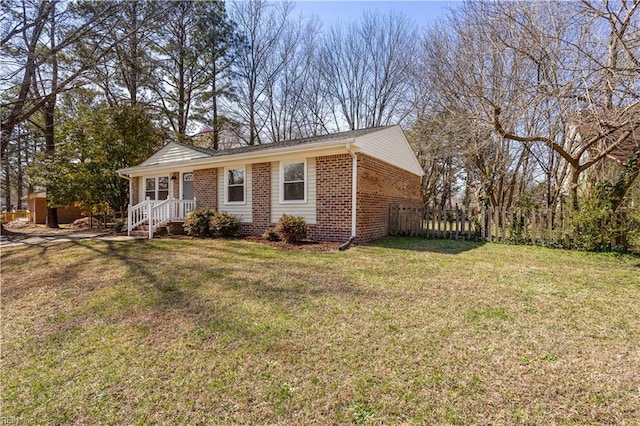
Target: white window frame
{"points": [[157, 186], [306, 181], [226, 186]]}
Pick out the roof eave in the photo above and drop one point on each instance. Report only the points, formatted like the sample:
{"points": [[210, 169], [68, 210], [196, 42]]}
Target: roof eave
{"points": [[310, 150]]}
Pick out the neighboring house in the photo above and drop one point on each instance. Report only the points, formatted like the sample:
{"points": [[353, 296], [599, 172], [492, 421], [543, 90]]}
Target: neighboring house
{"points": [[615, 134], [37, 206], [229, 135], [341, 184]]}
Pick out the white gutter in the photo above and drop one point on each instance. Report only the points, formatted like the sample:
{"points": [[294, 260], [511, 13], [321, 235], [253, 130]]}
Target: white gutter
{"points": [[309, 150], [354, 188]]}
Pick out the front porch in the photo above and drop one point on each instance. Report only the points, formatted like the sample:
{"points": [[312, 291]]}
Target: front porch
{"points": [[154, 214]]}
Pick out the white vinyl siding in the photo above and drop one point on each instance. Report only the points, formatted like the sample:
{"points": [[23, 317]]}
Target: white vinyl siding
{"points": [[306, 208], [172, 153], [242, 210], [390, 146]]}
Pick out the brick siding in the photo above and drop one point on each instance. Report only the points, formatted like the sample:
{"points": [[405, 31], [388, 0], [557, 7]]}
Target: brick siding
{"points": [[205, 188], [333, 198], [175, 183], [379, 185], [135, 190], [261, 200]]}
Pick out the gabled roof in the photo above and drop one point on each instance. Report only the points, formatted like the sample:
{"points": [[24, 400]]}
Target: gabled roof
{"points": [[385, 143], [293, 142], [174, 152]]}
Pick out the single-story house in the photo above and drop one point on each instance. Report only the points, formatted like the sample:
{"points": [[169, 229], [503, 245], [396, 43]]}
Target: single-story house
{"points": [[342, 184]]}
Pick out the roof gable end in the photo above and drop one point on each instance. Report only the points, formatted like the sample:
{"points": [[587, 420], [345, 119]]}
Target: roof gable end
{"points": [[173, 152], [391, 146]]}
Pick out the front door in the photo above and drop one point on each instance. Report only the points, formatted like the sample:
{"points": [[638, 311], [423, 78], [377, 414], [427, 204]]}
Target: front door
{"points": [[187, 186]]}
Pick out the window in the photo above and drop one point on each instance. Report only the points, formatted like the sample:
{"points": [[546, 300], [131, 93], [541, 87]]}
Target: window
{"points": [[163, 188], [293, 181], [150, 189], [235, 185], [156, 188]]}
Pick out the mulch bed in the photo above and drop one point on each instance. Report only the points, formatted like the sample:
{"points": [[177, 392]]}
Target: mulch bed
{"points": [[303, 245], [307, 245]]}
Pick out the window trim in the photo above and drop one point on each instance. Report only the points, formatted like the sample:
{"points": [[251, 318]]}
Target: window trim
{"points": [[156, 179], [226, 186], [282, 182]]}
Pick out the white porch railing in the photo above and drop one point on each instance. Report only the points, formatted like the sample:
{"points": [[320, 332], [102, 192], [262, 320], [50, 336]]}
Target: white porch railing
{"points": [[137, 215], [158, 213]]}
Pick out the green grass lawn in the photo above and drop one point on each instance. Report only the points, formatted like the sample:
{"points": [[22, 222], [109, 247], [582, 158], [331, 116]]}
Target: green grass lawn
{"points": [[178, 331]]}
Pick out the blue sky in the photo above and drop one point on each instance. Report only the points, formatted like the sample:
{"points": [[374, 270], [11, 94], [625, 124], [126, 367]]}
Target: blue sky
{"points": [[328, 11]]}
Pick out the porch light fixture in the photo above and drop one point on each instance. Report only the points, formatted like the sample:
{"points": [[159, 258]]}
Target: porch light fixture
{"points": [[174, 177]]}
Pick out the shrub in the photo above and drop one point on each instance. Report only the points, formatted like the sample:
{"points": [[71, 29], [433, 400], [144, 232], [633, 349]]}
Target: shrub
{"points": [[271, 235], [596, 226], [293, 229], [197, 223], [225, 224]]}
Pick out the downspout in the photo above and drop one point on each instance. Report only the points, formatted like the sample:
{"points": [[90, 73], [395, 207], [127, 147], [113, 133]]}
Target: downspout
{"points": [[354, 195]]}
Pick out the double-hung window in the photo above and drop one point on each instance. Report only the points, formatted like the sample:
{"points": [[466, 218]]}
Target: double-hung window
{"points": [[294, 181], [234, 185], [157, 188]]}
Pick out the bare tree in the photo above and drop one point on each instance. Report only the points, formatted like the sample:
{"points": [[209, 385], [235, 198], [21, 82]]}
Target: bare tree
{"points": [[367, 68], [291, 74], [262, 25], [527, 71]]}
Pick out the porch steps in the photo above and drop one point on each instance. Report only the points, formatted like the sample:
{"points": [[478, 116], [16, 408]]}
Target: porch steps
{"points": [[170, 212], [143, 231]]}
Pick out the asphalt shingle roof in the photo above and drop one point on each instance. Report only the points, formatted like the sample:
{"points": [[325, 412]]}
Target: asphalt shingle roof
{"points": [[288, 143]]}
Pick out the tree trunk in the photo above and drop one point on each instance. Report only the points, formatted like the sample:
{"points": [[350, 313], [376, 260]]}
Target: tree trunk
{"points": [[48, 113], [49, 137], [19, 175], [573, 190], [7, 185], [214, 97]]}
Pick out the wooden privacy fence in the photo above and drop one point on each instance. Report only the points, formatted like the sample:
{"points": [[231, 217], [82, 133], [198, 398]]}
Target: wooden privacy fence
{"points": [[6, 217], [543, 226]]}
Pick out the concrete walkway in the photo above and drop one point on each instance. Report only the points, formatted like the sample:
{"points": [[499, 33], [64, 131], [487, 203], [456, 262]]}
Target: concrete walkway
{"points": [[46, 238]]}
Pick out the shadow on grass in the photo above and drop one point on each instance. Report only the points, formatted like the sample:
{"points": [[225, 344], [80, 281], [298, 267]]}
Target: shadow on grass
{"points": [[219, 288], [427, 245]]}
